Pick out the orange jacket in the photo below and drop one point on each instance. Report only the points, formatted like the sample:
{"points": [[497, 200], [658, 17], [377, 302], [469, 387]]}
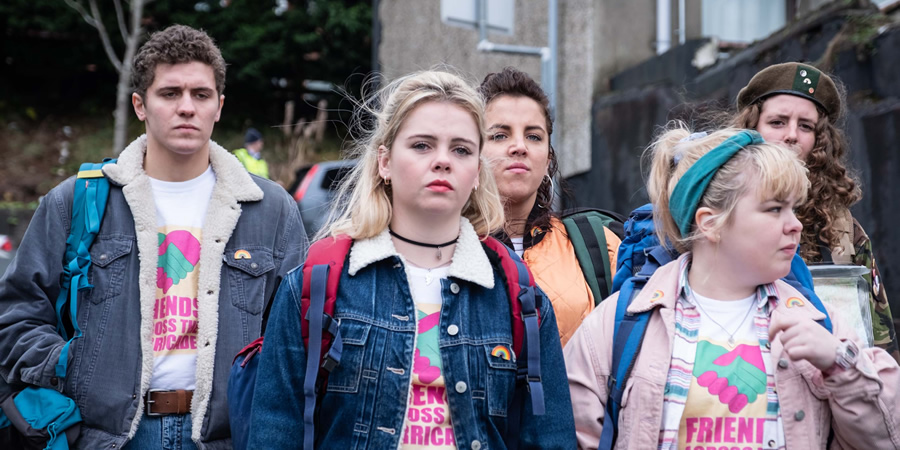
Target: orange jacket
{"points": [[557, 272]]}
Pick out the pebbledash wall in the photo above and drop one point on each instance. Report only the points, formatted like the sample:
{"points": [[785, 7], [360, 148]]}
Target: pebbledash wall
{"points": [[413, 37]]}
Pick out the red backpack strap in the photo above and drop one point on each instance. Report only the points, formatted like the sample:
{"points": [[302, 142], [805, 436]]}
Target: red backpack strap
{"points": [[321, 273], [510, 269], [331, 252], [524, 301]]}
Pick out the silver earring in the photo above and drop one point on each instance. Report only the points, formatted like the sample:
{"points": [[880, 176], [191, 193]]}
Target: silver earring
{"points": [[549, 179]]}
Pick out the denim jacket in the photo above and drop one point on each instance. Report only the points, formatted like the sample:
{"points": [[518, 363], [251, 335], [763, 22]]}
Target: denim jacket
{"points": [[110, 367], [365, 401]]}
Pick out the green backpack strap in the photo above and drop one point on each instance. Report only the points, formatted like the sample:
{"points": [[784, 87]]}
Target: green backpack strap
{"points": [[88, 207], [586, 232]]}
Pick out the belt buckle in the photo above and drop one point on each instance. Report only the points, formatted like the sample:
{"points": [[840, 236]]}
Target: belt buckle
{"points": [[149, 402]]}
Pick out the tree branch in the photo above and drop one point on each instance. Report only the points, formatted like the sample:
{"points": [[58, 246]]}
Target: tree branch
{"points": [[121, 19], [104, 37], [84, 14], [93, 19]]}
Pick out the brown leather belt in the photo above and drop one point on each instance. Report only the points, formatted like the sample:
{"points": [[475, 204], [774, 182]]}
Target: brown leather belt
{"points": [[163, 403]]}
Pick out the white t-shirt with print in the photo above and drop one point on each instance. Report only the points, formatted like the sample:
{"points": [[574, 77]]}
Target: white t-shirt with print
{"points": [[180, 212], [427, 424], [727, 399]]}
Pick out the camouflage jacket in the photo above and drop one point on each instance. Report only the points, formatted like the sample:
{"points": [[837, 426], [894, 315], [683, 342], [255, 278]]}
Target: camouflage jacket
{"points": [[882, 322]]}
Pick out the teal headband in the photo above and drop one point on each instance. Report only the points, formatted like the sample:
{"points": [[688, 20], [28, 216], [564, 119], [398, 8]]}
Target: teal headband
{"points": [[689, 191]]}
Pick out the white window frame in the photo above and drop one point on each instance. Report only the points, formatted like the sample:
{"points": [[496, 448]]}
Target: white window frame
{"points": [[742, 21], [463, 13]]}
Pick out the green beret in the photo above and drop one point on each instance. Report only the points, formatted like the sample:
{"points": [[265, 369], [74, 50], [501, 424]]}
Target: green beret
{"points": [[797, 79]]}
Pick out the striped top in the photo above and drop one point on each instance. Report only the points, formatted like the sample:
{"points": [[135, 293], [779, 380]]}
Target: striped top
{"points": [[678, 381]]}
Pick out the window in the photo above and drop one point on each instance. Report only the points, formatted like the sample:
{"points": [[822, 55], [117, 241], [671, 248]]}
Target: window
{"points": [[464, 13], [742, 21], [886, 3]]}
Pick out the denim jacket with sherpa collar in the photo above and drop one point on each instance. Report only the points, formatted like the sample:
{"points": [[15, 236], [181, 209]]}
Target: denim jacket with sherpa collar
{"points": [[365, 401], [110, 367]]}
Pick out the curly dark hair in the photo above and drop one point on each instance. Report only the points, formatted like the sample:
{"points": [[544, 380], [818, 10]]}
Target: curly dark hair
{"points": [[832, 186], [176, 44], [513, 82]]}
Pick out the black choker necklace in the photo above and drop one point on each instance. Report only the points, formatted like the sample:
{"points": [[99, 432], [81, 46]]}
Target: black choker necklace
{"points": [[424, 244]]}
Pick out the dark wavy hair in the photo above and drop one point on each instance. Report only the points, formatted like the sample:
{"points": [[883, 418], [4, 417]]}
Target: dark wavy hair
{"points": [[513, 82], [176, 44], [832, 186]]}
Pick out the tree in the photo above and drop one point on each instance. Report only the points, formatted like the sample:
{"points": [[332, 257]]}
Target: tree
{"points": [[131, 36]]}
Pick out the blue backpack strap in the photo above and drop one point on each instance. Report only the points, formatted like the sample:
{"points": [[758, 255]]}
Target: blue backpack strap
{"points": [[532, 337], [799, 278], [88, 207], [315, 315], [525, 303], [628, 336]]}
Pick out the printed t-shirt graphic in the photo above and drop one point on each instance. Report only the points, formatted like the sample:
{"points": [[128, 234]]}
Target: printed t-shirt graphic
{"points": [[727, 402], [175, 312], [181, 209], [427, 414]]}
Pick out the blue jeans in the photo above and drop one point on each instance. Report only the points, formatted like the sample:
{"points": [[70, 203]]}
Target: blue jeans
{"points": [[164, 433]]}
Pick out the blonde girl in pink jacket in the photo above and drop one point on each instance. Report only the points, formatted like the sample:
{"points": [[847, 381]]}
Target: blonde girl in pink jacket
{"points": [[733, 357]]}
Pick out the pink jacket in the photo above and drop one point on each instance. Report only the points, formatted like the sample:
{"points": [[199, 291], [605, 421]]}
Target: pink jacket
{"points": [[862, 404]]}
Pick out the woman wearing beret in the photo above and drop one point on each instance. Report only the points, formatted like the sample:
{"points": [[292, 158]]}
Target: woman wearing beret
{"points": [[799, 106]]}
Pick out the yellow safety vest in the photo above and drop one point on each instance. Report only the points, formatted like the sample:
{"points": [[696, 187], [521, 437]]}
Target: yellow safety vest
{"points": [[253, 165]]}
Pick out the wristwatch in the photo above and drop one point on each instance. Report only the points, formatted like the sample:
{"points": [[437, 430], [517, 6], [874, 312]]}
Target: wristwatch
{"points": [[847, 355]]}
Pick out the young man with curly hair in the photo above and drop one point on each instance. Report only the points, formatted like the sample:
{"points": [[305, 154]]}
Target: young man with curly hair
{"points": [[190, 251]]}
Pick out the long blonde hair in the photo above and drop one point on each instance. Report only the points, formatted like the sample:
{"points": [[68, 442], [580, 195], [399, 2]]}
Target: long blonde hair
{"points": [[363, 207], [778, 170]]}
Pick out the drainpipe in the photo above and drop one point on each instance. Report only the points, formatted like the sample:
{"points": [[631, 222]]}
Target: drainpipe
{"points": [[682, 32], [663, 26], [376, 39], [547, 54], [551, 58]]}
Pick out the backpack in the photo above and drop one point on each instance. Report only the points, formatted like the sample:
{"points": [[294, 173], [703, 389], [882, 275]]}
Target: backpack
{"points": [[322, 337], [639, 256], [44, 418], [585, 228]]}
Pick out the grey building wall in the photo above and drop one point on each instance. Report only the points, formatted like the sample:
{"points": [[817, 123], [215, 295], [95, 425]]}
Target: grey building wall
{"points": [[414, 38], [625, 35], [597, 39], [592, 35]]}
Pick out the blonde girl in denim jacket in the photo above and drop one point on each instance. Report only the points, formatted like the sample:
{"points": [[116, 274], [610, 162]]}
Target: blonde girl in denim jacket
{"points": [[422, 305], [733, 357]]}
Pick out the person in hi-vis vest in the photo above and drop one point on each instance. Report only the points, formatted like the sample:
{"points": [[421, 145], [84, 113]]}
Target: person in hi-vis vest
{"points": [[251, 155]]}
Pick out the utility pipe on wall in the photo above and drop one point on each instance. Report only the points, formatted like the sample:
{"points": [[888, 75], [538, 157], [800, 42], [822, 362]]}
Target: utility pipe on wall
{"points": [[663, 26], [547, 54]]}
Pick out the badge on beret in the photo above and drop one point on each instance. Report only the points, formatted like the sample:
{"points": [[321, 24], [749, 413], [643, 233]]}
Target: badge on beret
{"points": [[806, 79]]}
